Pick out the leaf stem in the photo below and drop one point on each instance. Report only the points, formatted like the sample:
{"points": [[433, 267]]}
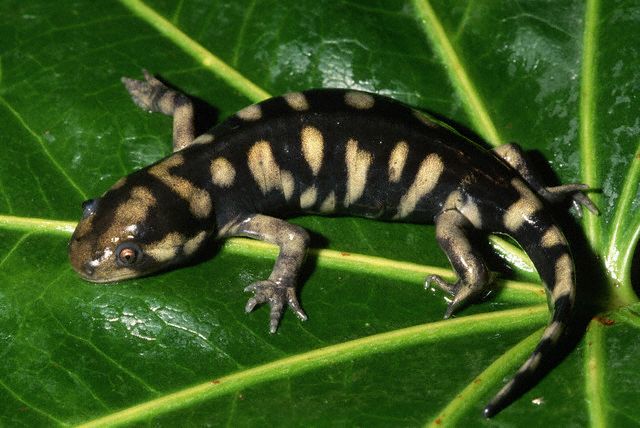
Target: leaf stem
{"points": [[595, 362], [325, 357], [210, 61], [588, 114]]}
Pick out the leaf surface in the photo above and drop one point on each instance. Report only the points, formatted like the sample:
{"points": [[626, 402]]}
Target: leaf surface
{"points": [[560, 78]]}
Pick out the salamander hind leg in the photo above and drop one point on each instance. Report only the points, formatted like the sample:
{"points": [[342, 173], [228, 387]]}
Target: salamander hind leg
{"points": [[279, 290], [514, 156], [473, 276], [153, 95]]}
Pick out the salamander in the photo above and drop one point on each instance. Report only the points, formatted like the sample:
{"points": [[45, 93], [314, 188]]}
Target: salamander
{"points": [[332, 152]]}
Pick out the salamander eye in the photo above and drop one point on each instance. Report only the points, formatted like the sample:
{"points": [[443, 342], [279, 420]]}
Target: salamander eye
{"points": [[128, 253], [89, 207]]}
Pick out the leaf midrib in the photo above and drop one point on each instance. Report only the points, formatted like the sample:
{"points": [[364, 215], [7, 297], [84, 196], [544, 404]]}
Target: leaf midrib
{"points": [[327, 356], [335, 259]]}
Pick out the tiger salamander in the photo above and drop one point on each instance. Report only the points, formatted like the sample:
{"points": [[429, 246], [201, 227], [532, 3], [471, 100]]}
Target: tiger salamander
{"points": [[327, 151]]}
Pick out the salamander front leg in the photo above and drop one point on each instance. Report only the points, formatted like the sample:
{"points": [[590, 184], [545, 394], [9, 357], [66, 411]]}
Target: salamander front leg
{"points": [[513, 155], [279, 290], [473, 275], [153, 95]]}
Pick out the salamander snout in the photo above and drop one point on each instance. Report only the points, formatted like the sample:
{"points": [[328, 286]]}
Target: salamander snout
{"points": [[89, 270]]}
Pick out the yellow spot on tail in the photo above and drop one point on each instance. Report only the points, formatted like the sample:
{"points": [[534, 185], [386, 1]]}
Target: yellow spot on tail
{"points": [[531, 364], [312, 147], [250, 113], [564, 278], [297, 101], [425, 181], [359, 100], [397, 161], [358, 162], [552, 237], [521, 210], [552, 332], [223, 173]]}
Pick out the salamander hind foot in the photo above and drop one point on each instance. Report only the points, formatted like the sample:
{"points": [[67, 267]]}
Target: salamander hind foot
{"points": [[463, 295], [573, 192]]}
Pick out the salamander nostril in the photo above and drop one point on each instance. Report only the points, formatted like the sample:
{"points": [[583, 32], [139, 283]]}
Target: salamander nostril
{"points": [[89, 270]]}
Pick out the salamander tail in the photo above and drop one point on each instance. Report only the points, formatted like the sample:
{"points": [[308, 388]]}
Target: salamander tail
{"points": [[548, 249]]}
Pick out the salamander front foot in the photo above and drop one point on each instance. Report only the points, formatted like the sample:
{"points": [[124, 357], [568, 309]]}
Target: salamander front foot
{"points": [[278, 297]]}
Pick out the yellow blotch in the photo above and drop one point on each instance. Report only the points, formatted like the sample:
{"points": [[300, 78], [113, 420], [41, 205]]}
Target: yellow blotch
{"points": [[263, 167], [426, 179], [471, 211], [165, 249], [223, 173], [359, 100], [329, 204], [358, 162], [397, 161], [521, 210], [297, 101], [135, 209], [564, 278], [308, 197], [203, 139], [288, 184], [251, 113], [194, 243], [552, 332], [198, 199], [552, 237], [312, 147]]}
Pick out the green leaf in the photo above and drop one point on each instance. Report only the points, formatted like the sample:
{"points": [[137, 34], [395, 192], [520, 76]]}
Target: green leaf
{"points": [[560, 78]]}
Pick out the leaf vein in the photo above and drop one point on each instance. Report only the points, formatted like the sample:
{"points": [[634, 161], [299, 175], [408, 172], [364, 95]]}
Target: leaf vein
{"points": [[486, 380], [457, 72], [331, 355], [210, 61], [616, 264], [14, 247], [105, 356], [43, 147], [29, 405]]}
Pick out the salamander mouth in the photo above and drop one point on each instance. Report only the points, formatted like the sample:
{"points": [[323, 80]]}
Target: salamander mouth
{"points": [[108, 280]]}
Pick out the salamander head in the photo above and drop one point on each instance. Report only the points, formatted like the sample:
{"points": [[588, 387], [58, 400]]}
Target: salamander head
{"points": [[134, 229]]}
